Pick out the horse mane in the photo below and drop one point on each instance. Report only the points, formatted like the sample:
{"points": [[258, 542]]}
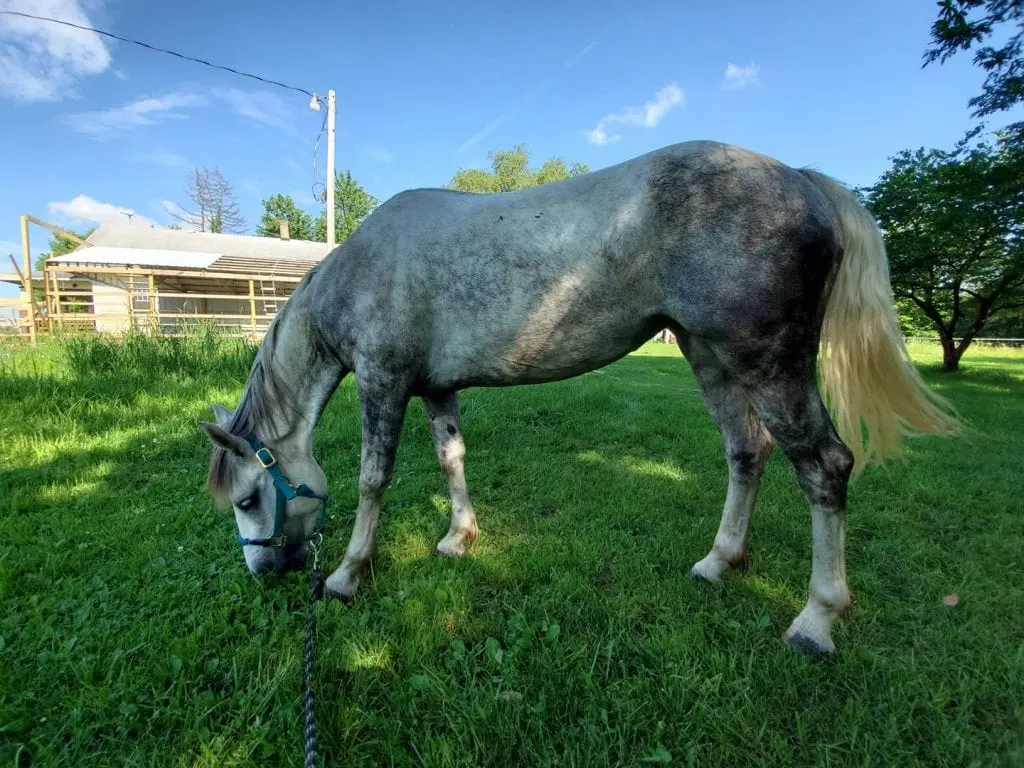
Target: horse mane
{"points": [[260, 411]]}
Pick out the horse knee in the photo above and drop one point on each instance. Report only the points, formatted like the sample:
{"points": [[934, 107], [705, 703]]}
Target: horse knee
{"points": [[374, 476]]}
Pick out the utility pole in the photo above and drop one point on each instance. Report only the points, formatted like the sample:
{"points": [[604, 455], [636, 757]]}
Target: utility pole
{"points": [[330, 169]]}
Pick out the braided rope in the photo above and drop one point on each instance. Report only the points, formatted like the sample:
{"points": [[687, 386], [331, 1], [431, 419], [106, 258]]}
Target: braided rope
{"points": [[314, 595]]}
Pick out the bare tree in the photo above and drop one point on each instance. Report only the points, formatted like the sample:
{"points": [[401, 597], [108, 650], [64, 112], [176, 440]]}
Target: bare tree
{"points": [[214, 208]]}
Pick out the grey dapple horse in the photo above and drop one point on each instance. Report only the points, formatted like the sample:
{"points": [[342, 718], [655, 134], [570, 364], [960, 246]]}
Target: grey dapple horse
{"points": [[754, 266]]}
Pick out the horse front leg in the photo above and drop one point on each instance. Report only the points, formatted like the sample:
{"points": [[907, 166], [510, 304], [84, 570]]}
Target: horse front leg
{"points": [[443, 413], [383, 413]]}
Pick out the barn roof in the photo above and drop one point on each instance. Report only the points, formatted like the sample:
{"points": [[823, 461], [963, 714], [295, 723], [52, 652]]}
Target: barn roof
{"points": [[118, 244]]}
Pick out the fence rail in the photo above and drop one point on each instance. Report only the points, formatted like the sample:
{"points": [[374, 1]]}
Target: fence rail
{"points": [[142, 306], [977, 340]]}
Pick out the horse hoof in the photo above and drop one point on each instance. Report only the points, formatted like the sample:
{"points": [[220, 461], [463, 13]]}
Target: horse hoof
{"points": [[342, 588], [700, 573], [449, 550], [808, 646], [454, 545]]}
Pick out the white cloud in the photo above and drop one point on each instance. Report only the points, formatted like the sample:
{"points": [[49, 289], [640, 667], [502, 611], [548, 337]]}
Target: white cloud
{"points": [[148, 110], [120, 74], [42, 61], [161, 156], [597, 135], [740, 77], [647, 116], [265, 107], [83, 209]]}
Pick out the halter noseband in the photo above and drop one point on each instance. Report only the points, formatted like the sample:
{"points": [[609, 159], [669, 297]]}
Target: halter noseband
{"points": [[285, 493]]}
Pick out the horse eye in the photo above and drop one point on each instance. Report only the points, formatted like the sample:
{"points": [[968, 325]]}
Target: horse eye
{"points": [[248, 503]]}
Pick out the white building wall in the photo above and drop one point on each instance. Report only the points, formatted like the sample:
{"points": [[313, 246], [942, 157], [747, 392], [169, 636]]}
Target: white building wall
{"points": [[110, 307]]}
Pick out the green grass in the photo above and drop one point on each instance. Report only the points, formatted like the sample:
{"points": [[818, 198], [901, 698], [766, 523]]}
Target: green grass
{"points": [[131, 633]]}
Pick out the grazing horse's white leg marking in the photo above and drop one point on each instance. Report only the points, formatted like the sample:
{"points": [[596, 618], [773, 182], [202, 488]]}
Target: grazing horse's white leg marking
{"points": [[451, 453], [345, 581], [730, 548], [829, 595]]}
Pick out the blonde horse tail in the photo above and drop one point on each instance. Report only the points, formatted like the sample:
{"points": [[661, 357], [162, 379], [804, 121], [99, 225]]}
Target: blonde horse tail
{"points": [[868, 380]]}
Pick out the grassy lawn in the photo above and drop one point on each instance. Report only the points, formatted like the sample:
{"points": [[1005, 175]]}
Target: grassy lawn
{"points": [[131, 633]]}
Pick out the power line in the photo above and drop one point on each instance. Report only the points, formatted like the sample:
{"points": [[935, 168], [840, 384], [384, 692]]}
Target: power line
{"points": [[162, 50], [313, 96]]}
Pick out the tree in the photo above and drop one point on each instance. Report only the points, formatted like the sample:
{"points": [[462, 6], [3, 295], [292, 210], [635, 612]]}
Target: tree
{"points": [[277, 207], [954, 31], [510, 170], [60, 246], [214, 208], [953, 224], [352, 204]]}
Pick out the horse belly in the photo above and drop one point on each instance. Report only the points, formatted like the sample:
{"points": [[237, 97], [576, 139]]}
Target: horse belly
{"points": [[549, 346]]}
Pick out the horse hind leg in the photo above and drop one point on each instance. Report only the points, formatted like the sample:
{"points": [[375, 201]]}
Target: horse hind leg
{"points": [[383, 406], [443, 413], [794, 413], [747, 447]]}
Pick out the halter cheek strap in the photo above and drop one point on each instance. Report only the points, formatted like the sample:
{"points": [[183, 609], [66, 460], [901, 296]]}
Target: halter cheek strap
{"points": [[285, 492]]}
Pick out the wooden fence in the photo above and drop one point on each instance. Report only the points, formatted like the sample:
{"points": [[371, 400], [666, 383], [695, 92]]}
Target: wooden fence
{"points": [[147, 308]]}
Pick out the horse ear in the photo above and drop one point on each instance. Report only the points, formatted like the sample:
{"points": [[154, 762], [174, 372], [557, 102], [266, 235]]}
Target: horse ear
{"points": [[226, 440], [222, 414]]}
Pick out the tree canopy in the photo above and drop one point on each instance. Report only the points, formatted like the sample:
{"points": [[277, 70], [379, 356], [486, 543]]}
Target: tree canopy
{"points": [[961, 24], [953, 222], [278, 207], [510, 170], [352, 204], [59, 246]]}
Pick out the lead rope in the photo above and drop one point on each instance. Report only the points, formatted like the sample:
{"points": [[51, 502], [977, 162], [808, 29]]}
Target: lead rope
{"points": [[315, 593]]}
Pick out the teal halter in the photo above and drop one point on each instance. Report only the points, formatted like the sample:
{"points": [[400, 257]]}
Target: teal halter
{"points": [[285, 493]]}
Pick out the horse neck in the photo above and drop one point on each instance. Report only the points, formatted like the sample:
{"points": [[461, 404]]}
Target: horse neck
{"points": [[290, 384]]}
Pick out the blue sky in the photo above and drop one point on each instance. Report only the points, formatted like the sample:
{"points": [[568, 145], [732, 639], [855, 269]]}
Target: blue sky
{"points": [[92, 127]]}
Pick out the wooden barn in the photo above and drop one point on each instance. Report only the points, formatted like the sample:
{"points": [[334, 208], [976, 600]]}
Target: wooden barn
{"points": [[126, 276]]}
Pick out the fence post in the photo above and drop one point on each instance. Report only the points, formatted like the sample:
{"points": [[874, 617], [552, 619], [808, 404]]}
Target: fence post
{"points": [[152, 306], [56, 301], [30, 300], [252, 306], [46, 300]]}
